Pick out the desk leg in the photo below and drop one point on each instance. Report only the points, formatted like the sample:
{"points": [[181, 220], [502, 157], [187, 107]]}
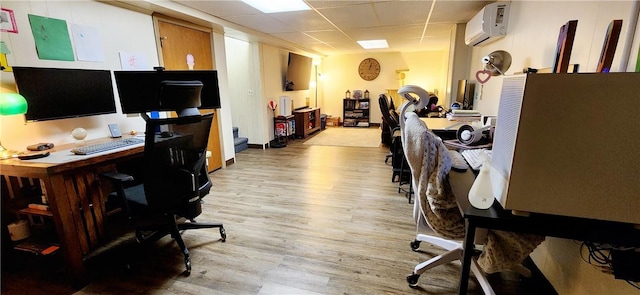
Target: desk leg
{"points": [[62, 209], [468, 246]]}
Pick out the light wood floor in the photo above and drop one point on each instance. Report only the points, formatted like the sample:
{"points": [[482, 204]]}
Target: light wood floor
{"points": [[299, 220]]}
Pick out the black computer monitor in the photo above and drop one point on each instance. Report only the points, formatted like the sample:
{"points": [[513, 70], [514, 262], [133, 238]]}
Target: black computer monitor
{"points": [[59, 93], [139, 91], [181, 96]]}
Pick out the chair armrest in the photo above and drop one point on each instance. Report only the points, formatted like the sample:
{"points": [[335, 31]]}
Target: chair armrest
{"points": [[117, 177], [396, 132], [117, 181], [193, 177]]}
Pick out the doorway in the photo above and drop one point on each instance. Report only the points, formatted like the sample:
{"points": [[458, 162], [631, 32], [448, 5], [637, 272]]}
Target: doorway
{"points": [[185, 46]]}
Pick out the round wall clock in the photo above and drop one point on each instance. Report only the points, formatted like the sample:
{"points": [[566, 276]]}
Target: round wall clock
{"points": [[369, 69]]}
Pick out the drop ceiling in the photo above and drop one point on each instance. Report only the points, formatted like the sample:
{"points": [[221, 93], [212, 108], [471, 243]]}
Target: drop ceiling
{"points": [[333, 27]]}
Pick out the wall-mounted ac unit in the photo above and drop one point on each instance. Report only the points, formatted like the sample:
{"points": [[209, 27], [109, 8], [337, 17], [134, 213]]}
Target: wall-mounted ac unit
{"points": [[488, 25]]}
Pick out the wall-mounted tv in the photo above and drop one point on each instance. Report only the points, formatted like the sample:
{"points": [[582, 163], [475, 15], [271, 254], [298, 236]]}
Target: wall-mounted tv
{"points": [[298, 72], [53, 93], [139, 91]]}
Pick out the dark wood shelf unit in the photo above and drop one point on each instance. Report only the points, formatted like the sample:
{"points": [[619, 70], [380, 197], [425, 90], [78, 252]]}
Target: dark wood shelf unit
{"points": [[355, 112], [307, 121]]}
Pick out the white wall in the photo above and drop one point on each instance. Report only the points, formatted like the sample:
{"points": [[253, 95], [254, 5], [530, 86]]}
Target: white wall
{"points": [[120, 30], [139, 38], [531, 41], [242, 81], [533, 33], [224, 113]]}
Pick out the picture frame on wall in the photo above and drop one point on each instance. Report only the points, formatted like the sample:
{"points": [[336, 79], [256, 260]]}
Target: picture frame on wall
{"points": [[8, 21], [564, 46]]}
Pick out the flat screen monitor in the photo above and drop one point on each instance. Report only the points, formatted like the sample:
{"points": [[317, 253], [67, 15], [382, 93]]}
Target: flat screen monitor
{"points": [[53, 93], [464, 94], [298, 72], [139, 91], [181, 96]]}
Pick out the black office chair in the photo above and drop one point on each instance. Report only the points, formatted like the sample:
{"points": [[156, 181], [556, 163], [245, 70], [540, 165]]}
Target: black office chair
{"points": [[388, 125], [174, 181]]}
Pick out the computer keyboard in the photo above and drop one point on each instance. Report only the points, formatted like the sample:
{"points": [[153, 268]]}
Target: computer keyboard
{"points": [[475, 157], [105, 146]]}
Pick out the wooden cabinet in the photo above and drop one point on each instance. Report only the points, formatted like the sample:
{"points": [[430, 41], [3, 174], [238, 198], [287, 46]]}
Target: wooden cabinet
{"points": [[355, 112], [307, 121]]}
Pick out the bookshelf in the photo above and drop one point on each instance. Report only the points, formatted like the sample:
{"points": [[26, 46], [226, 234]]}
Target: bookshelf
{"points": [[355, 112]]}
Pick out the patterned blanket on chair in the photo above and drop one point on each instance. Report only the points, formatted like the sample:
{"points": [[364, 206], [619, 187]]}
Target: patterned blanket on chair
{"points": [[430, 164]]}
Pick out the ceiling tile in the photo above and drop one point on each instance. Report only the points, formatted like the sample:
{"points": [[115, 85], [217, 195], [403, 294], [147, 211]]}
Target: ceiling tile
{"points": [[402, 12], [332, 27], [303, 20], [221, 9], [262, 23], [353, 16], [456, 11]]}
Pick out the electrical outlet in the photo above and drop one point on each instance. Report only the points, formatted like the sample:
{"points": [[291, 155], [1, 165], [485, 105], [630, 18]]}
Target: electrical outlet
{"points": [[250, 92]]}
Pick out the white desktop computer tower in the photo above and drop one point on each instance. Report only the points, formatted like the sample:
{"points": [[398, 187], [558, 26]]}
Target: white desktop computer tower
{"points": [[568, 144]]}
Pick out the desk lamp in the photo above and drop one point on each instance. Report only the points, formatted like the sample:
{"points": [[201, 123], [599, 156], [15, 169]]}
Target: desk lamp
{"points": [[11, 103]]}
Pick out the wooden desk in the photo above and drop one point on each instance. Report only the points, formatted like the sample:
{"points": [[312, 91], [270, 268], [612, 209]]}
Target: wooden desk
{"points": [[497, 218], [75, 198], [443, 127], [438, 126], [442, 124]]}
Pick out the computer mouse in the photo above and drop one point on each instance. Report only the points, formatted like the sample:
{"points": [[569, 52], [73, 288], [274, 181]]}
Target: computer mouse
{"points": [[165, 134]]}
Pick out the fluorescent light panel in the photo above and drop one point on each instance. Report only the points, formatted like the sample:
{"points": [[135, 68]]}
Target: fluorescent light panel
{"points": [[272, 6], [373, 44]]}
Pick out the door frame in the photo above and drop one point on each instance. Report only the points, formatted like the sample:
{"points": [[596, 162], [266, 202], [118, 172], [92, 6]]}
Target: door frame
{"points": [[161, 17], [157, 17]]}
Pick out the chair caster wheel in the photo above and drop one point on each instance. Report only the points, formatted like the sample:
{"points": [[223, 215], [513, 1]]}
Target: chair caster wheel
{"points": [[187, 263], [223, 234], [139, 237], [413, 280], [415, 245]]}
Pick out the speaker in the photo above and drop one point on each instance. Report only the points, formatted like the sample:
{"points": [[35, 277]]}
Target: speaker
{"points": [[469, 135]]}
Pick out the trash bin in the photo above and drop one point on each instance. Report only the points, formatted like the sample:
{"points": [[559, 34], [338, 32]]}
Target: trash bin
{"points": [[323, 121]]}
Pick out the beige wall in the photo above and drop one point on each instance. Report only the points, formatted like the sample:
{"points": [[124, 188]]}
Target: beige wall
{"points": [[341, 74], [531, 40]]}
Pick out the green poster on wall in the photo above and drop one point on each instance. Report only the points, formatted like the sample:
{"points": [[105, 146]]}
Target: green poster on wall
{"points": [[52, 38]]}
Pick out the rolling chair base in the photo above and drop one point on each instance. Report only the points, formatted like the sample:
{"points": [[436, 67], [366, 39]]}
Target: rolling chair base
{"points": [[156, 232], [454, 252]]}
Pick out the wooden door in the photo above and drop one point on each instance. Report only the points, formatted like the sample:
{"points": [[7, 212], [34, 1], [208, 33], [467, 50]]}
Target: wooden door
{"points": [[188, 47]]}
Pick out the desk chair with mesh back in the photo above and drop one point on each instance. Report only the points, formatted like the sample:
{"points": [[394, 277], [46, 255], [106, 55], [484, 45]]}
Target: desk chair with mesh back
{"points": [[174, 179], [429, 162], [428, 159]]}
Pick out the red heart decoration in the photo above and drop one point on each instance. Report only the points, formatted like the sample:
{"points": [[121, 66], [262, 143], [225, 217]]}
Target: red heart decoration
{"points": [[483, 76]]}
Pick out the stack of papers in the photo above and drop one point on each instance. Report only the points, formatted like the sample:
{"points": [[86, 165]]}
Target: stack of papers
{"points": [[464, 115]]}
